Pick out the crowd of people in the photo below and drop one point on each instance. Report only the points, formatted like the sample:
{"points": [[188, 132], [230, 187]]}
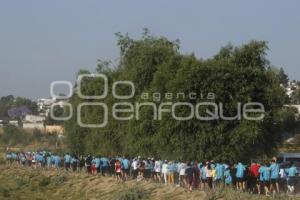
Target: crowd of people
{"points": [[260, 178]]}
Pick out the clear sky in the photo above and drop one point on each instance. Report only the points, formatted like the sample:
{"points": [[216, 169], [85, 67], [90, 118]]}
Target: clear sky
{"points": [[43, 41]]}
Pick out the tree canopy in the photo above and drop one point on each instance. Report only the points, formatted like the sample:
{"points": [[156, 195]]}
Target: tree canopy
{"points": [[11, 102], [156, 65]]}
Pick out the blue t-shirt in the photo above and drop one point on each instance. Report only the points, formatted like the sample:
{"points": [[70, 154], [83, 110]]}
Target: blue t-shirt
{"points": [[104, 162], [228, 178], [40, 158], [97, 162], [74, 160], [219, 171], [49, 160], [203, 173], [274, 171], [52, 159], [57, 161], [67, 158], [125, 164], [172, 167], [240, 170], [292, 171], [264, 173]]}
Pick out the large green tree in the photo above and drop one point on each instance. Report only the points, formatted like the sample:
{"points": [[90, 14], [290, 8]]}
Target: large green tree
{"points": [[155, 65]]}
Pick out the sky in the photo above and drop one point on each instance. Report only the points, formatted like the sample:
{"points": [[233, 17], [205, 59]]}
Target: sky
{"points": [[45, 41]]}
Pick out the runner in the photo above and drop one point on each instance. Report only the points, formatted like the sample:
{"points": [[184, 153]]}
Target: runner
{"points": [[165, 171], [189, 177], [157, 170], [227, 176], [182, 168], [274, 176], [67, 161], [118, 170], [254, 177], [240, 176], [292, 178], [125, 168]]}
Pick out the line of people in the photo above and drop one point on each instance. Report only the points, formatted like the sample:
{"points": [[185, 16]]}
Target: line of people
{"points": [[260, 178]]}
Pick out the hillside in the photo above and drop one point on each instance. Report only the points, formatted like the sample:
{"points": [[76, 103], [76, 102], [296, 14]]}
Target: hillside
{"points": [[26, 183]]}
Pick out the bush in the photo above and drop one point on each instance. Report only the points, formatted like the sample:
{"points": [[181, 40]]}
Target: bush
{"points": [[58, 180], [4, 192], [11, 135], [37, 135], [20, 182], [133, 193], [44, 181]]}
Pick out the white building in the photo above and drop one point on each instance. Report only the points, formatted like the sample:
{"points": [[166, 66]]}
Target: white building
{"points": [[33, 118], [38, 125], [44, 105], [13, 122], [292, 86]]}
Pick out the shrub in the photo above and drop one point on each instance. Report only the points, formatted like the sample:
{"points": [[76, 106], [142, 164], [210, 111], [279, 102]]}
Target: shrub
{"points": [[133, 193], [44, 181], [4, 192], [58, 180]]}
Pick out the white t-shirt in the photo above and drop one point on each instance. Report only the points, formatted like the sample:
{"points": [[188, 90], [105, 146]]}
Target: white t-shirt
{"points": [[165, 168], [134, 165], [182, 168], [157, 166], [208, 172], [282, 173]]}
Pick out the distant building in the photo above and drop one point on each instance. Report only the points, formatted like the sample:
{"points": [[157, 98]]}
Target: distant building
{"points": [[13, 122], [34, 118], [292, 86], [38, 125], [44, 105]]}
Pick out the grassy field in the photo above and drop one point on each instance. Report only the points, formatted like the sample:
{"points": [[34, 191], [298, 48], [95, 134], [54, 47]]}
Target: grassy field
{"points": [[24, 183]]}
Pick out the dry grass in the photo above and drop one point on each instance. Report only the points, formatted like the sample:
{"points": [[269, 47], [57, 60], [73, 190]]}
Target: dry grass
{"points": [[25, 183]]}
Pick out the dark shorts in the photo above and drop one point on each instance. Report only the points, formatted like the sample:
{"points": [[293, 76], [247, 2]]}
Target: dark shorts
{"points": [[126, 171], [118, 173], [265, 183], [189, 180], [274, 180], [239, 180], [98, 169], [105, 169], [219, 180], [292, 181]]}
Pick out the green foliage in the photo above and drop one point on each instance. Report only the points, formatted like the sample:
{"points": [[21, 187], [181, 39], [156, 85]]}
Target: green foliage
{"points": [[4, 192], [295, 98], [14, 136], [154, 64], [222, 192], [11, 135], [284, 79], [59, 180], [36, 135], [44, 181], [57, 112], [286, 118], [133, 193], [10, 101]]}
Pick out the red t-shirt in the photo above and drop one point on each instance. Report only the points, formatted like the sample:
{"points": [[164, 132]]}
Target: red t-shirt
{"points": [[118, 166], [254, 170]]}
